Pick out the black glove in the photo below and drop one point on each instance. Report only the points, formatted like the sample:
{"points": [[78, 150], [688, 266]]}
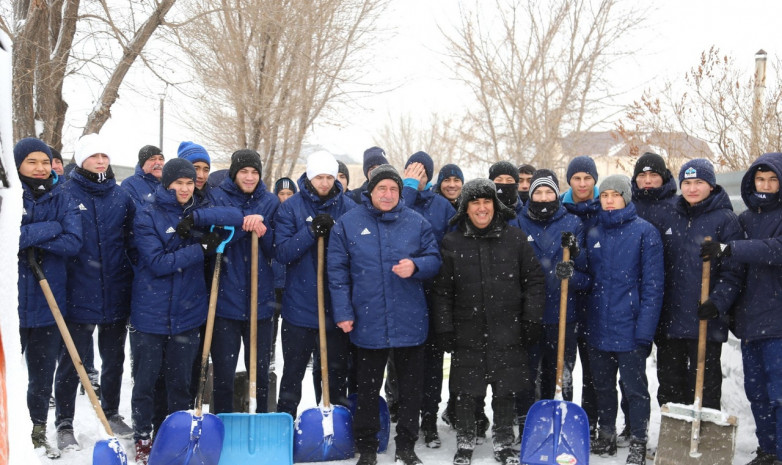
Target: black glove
{"points": [[569, 241], [321, 225], [210, 241], [564, 270], [644, 347], [184, 226], [531, 333], [711, 250], [446, 341], [707, 310]]}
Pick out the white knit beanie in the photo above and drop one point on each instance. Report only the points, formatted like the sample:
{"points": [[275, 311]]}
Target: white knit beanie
{"points": [[88, 146], [321, 162]]}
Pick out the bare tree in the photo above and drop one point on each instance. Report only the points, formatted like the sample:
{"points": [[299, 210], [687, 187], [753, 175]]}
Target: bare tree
{"points": [[438, 137], [713, 103], [269, 69], [538, 71], [53, 41]]}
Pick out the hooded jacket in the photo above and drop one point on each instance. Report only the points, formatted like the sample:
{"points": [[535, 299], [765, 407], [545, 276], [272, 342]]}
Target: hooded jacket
{"points": [[141, 187], [52, 225], [682, 235], [655, 205], [100, 277], [297, 250], [757, 310], [365, 243], [625, 261], [545, 237]]}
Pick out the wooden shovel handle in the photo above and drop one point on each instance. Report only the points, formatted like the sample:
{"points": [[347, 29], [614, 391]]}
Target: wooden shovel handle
{"points": [[324, 364], [251, 370], [68, 340], [562, 326], [210, 324], [697, 403]]}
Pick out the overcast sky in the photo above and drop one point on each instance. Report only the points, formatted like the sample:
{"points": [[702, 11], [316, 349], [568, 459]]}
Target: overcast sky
{"points": [[409, 58]]}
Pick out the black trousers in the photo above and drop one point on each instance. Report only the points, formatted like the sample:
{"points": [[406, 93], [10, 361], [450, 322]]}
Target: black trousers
{"points": [[676, 365], [371, 363]]}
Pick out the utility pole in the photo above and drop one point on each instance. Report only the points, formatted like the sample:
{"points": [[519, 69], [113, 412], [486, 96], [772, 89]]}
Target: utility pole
{"points": [[757, 106]]}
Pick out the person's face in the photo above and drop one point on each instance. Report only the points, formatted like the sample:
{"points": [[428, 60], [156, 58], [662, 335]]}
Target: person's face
{"points": [[36, 165], [247, 179], [284, 194], [343, 179], [695, 191], [183, 187], [544, 194], [648, 180], [369, 171], [480, 212], [323, 184], [504, 179], [583, 185], [97, 163], [385, 195], [612, 200], [524, 181], [766, 182], [58, 167], [202, 173], [451, 187], [154, 166]]}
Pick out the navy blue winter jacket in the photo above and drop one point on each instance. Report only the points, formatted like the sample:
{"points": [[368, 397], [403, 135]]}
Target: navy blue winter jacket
{"points": [[587, 212], [100, 277], [52, 225], [141, 187], [655, 205], [625, 261], [682, 235], [296, 247], [545, 237], [757, 310], [435, 208], [386, 310], [233, 301], [169, 291]]}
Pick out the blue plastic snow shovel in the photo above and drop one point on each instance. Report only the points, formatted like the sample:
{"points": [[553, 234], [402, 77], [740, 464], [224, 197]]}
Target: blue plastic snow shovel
{"points": [[106, 451], [258, 438], [556, 431], [385, 420], [187, 438], [324, 433]]}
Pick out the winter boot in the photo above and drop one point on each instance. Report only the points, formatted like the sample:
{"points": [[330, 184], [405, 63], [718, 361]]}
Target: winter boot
{"points": [[481, 426], [66, 439], [448, 416], [406, 457], [637, 455], [367, 458], [119, 427], [604, 445], [506, 456], [763, 458], [462, 457], [39, 440], [429, 428], [143, 448], [623, 440]]}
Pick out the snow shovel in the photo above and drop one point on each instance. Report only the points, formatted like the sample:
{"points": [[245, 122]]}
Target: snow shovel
{"points": [[187, 438], [324, 433], [691, 435], [556, 431], [265, 438], [106, 451]]}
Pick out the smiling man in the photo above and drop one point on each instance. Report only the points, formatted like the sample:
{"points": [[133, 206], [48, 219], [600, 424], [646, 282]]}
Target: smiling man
{"points": [[449, 183], [142, 185]]}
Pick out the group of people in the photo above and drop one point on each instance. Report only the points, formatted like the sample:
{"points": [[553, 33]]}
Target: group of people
{"points": [[417, 265]]}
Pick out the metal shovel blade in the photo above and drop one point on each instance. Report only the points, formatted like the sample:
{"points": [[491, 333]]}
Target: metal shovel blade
{"points": [[556, 432], [323, 435], [717, 436], [187, 439], [109, 452], [257, 438]]}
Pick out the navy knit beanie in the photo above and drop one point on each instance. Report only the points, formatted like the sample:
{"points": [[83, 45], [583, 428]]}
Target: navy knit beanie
{"points": [[504, 167], [193, 152], [284, 183], [245, 158], [146, 153], [447, 171], [581, 164], [698, 168], [424, 159], [27, 146], [55, 153], [177, 168], [374, 156]]}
